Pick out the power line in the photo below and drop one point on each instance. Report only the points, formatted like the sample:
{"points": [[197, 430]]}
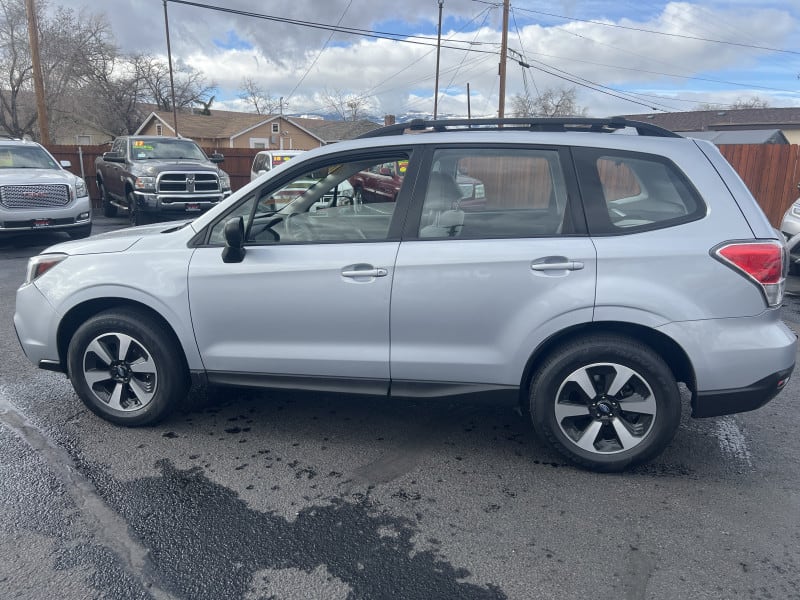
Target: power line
{"points": [[396, 37], [316, 58], [664, 33]]}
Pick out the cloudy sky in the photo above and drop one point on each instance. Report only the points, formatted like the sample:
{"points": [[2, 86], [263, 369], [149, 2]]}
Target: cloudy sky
{"points": [[609, 50]]}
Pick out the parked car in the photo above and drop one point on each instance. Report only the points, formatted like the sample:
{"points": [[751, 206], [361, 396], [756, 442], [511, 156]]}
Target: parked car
{"points": [[605, 270], [157, 178], [266, 160], [790, 227], [38, 193]]}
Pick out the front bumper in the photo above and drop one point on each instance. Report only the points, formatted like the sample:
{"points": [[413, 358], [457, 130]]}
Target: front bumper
{"points": [[73, 216], [178, 204], [36, 323]]}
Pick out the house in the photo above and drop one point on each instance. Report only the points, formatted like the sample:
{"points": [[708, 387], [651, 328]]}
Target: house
{"points": [[230, 129], [787, 120], [743, 136]]}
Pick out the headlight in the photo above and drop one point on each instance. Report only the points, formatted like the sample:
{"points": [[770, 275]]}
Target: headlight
{"points": [[80, 188], [145, 183], [41, 264], [224, 181]]}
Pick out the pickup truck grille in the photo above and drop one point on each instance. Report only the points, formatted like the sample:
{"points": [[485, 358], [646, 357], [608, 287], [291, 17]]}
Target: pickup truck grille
{"points": [[34, 196], [187, 183]]}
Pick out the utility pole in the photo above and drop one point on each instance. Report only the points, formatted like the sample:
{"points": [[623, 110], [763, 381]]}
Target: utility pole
{"points": [[38, 80], [469, 108], [438, 52], [501, 109], [171, 78]]}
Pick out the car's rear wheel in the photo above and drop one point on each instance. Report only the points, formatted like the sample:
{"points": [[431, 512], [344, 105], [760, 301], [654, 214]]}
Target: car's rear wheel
{"points": [[125, 368], [109, 210], [605, 402]]}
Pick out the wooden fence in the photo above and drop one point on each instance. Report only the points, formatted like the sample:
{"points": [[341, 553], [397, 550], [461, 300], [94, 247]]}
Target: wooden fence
{"points": [[237, 163], [771, 171]]}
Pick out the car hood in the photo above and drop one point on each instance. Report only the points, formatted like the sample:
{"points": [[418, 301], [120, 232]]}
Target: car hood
{"points": [[35, 176], [116, 241]]}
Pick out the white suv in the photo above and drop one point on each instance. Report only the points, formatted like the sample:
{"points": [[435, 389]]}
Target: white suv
{"points": [[38, 193], [597, 272]]}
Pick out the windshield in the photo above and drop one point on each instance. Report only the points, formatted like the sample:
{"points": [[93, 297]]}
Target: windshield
{"points": [[26, 157], [165, 149]]}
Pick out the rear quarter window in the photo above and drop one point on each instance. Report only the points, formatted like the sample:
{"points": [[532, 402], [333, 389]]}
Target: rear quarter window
{"points": [[625, 192]]}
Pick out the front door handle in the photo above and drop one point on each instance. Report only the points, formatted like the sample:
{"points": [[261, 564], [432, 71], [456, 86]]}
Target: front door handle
{"points": [[367, 271], [556, 263]]}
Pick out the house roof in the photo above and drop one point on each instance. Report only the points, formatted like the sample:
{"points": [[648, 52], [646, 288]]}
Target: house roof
{"points": [[226, 124], [742, 118], [743, 136]]}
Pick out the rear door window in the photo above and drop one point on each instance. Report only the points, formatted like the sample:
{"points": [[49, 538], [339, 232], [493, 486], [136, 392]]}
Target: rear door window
{"points": [[626, 191]]}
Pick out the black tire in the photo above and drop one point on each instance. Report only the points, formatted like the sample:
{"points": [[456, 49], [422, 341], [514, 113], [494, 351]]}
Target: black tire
{"points": [[109, 210], [634, 411], [139, 388], [136, 216], [80, 232]]}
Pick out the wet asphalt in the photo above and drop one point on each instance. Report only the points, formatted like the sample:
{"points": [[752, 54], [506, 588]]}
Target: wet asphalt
{"points": [[295, 496]]}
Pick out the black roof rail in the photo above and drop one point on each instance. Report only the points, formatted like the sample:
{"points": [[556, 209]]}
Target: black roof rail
{"points": [[607, 125]]}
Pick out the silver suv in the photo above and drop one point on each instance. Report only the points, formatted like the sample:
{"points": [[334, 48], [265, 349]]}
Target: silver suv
{"points": [[38, 193], [601, 270]]}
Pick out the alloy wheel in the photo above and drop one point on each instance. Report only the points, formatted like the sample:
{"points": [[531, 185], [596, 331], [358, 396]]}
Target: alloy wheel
{"points": [[120, 371], [605, 408]]}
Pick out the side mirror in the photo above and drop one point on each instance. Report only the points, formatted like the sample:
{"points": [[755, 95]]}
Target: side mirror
{"points": [[234, 250], [113, 157], [65, 163], [217, 158]]}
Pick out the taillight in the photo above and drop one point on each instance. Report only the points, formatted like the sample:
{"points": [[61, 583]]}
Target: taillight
{"points": [[760, 261]]}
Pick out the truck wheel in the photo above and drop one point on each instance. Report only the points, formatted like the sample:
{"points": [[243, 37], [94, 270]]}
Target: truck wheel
{"points": [[109, 210], [605, 402], [135, 216], [125, 368]]}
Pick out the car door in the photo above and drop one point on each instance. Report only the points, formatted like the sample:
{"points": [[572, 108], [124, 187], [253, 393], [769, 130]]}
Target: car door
{"points": [[309, 302], [114, 180], [477, 291]]}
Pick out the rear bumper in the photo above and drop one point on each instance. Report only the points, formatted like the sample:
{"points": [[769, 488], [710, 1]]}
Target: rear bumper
{"points": [[724, 402]]}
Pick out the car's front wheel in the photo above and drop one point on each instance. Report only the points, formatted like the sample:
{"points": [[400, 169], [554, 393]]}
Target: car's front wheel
{"points": [[125, 368], [605, 402], [81, 232], [109, 210], [135, 215]]}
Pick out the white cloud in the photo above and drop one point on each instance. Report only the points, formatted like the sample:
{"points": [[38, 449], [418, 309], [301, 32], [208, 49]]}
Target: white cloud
{"points": [[399, 76]]}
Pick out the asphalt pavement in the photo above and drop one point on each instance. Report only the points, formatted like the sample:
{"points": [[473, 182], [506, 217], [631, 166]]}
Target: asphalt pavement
{"points": [[288, 496]]}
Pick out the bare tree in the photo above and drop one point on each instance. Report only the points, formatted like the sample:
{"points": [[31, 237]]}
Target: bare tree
{"points": [[347, 106], [552, 102], [191, 86], [72, 46], [262, 102]]}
